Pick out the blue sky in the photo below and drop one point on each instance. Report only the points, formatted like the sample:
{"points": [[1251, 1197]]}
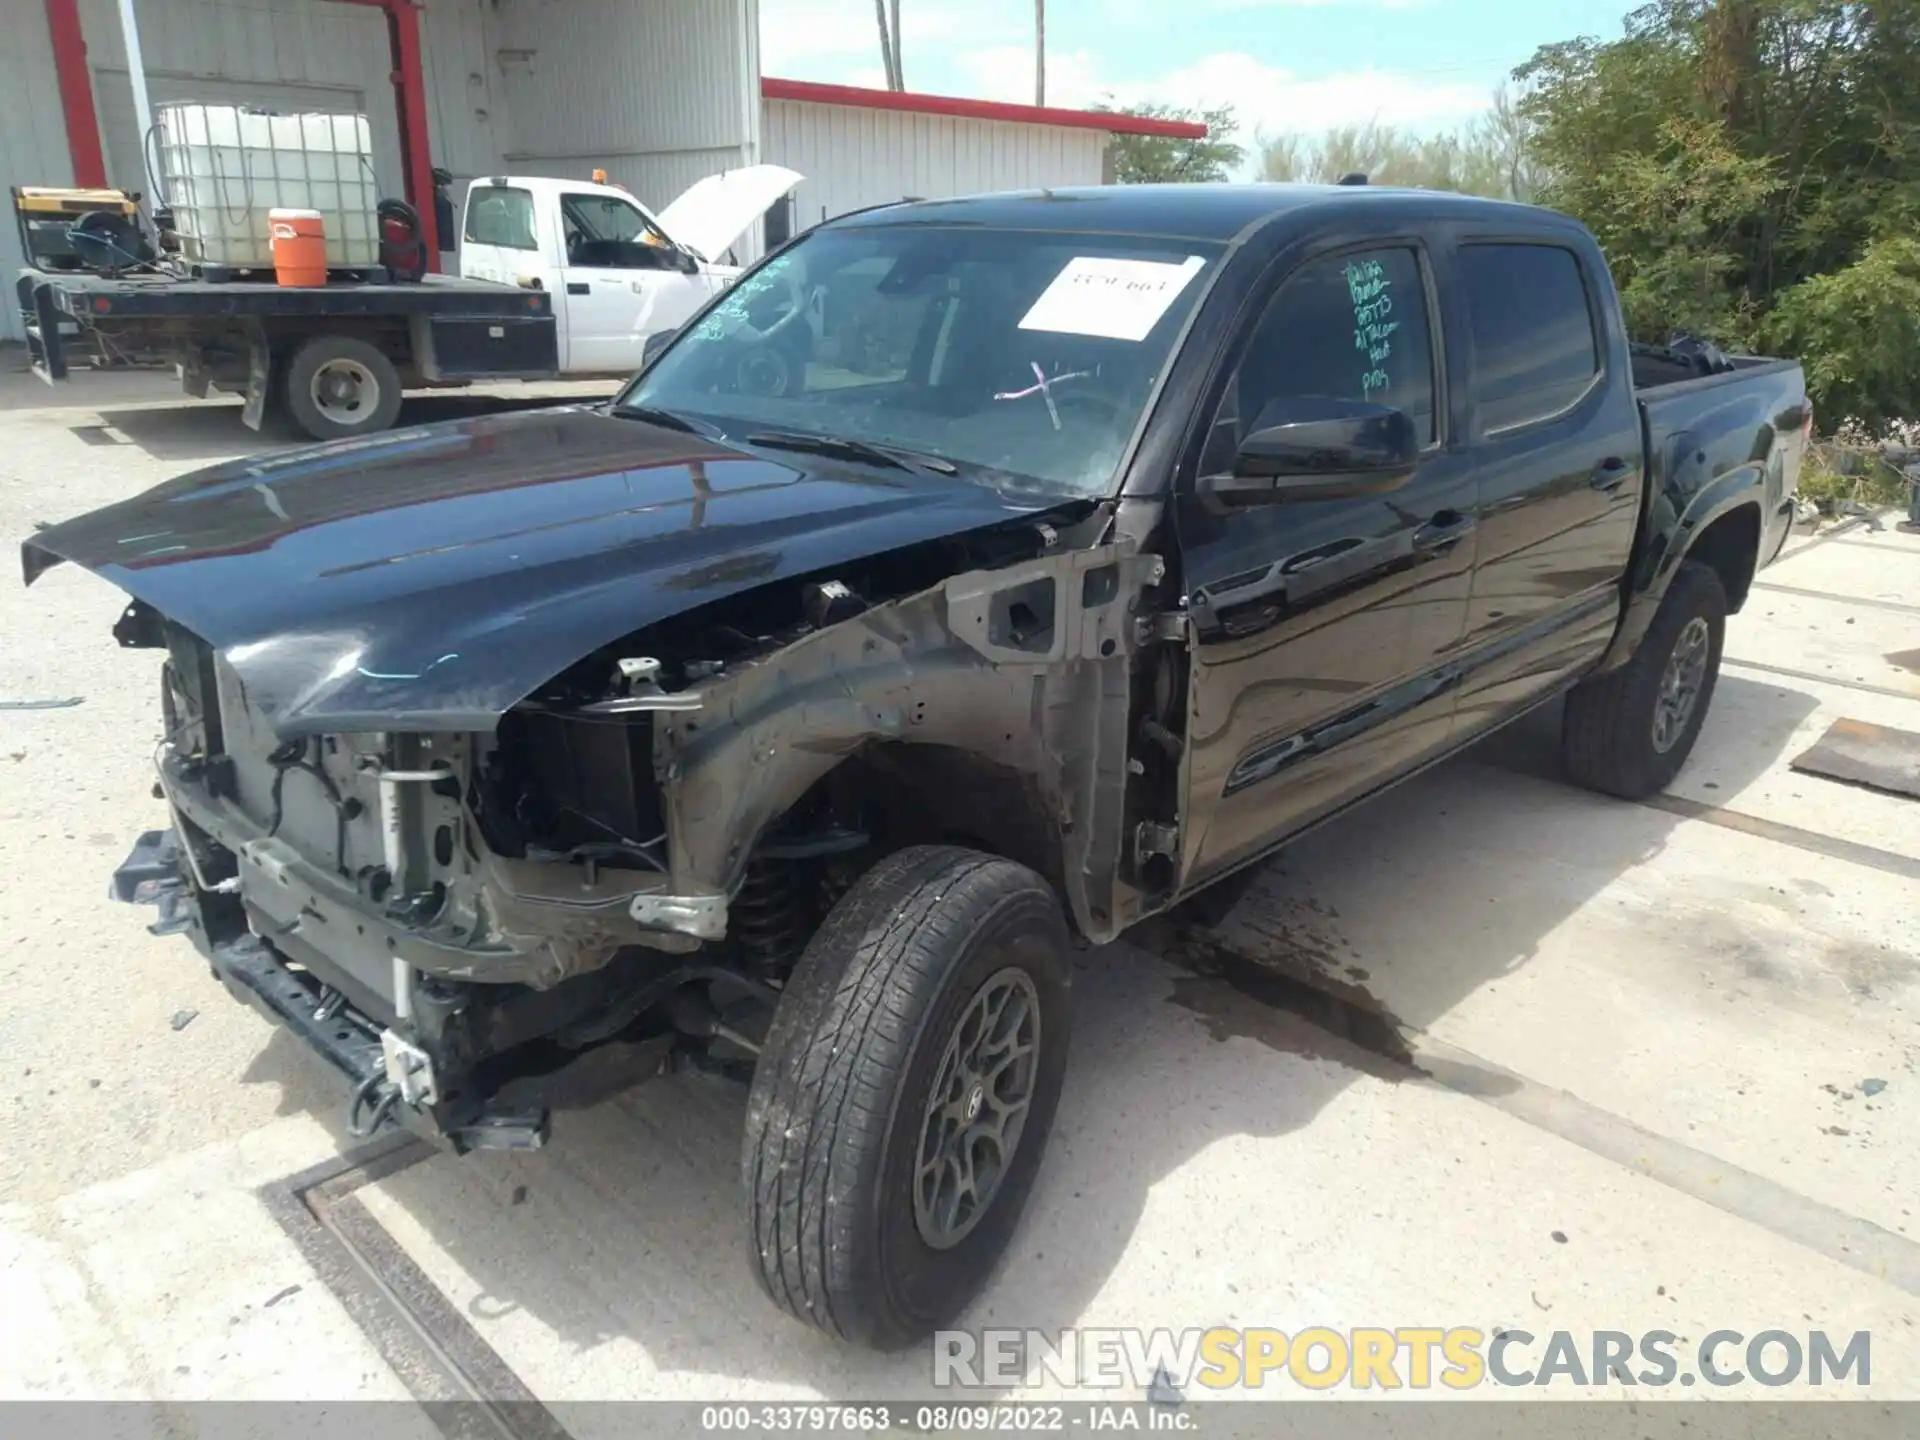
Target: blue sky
{"points": [[1282, 64]]}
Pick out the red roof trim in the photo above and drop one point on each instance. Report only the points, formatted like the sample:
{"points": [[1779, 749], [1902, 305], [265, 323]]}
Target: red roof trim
{"points": [[1113, 122]]}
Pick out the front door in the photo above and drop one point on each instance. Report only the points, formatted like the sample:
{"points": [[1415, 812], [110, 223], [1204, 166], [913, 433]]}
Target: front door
{"points": [[1323, 629], [624, 280]]}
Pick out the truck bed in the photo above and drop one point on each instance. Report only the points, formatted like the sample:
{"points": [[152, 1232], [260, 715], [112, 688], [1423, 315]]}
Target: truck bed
{"points": [[84, 297], [1751, 418], [441, 329]]}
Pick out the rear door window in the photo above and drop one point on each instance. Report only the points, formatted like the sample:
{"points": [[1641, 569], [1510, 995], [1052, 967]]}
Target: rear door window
{"points": [[1535, 352], [501, 215]]}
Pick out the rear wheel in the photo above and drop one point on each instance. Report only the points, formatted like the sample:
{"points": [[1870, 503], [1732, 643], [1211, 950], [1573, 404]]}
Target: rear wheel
{"points": [[338, 387], [905, 1094], [1629, 731]]}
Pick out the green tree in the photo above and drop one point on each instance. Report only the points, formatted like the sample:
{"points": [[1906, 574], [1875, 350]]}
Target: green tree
{"points": [[1488, 156], [1752, 168], [1145, 159], [1857, 330]]}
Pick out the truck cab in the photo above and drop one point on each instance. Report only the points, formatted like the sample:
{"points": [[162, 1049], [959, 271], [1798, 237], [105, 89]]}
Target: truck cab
{"points": [[617, 272]]}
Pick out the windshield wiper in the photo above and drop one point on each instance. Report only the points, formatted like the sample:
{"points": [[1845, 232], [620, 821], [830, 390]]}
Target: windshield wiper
{"points": [[874, 454], [667, 420]]}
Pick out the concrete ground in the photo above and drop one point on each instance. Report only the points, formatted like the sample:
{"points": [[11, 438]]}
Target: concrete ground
{"points": [[1641, 1034]]}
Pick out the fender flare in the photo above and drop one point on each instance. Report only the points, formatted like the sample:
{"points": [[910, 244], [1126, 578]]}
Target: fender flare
{"points": [[1670, 537]]}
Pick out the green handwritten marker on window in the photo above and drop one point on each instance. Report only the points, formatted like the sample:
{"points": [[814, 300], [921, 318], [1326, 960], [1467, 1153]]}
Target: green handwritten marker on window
{"points": [[1370, 292]]}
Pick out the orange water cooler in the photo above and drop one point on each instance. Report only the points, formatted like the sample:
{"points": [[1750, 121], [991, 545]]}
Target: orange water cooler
{"points": [[299, 246]]}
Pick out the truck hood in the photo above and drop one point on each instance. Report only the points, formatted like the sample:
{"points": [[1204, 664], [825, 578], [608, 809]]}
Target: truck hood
{"points": [[716, 211], [430, 578]]}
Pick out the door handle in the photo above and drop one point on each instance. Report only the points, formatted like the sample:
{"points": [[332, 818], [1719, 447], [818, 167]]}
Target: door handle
{"points": [[1443, 532], [578, 287], [1610, 474]]}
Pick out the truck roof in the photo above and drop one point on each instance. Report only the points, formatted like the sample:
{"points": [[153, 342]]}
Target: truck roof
{"points": [[1199, 212]]}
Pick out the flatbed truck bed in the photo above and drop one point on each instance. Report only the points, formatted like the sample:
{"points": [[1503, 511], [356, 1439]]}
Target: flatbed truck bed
{"points": [[333, 358]]}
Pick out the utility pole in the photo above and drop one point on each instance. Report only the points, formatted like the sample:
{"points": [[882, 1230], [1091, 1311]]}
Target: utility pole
{"points": [[1039, 52], [899, 70]]}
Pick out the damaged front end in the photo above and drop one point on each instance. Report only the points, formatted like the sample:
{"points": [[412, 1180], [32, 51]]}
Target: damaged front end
{"points": [[476, 925], [338, 883]]}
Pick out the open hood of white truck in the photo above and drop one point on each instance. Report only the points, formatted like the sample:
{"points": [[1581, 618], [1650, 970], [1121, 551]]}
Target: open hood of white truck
{"points": [[714, 213]]}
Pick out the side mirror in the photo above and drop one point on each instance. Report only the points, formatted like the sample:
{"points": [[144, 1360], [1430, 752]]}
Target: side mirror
{"points": [[1319, 448], [654, 344]]}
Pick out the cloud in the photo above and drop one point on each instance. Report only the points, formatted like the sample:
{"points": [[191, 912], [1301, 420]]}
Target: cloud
{"points": [[1154, 13], [796, 35], [1268, 99], [1005, 72]]}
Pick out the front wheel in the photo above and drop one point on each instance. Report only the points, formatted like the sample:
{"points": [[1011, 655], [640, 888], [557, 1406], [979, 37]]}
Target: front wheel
{"points": [[905, 1094], [1629, 731]]}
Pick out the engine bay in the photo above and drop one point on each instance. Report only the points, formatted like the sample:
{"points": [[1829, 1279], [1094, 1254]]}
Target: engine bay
{"points": [[571, 776]]}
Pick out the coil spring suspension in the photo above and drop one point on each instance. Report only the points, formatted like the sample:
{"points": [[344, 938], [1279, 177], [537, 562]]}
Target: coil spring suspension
{"points": [[766, 916], [836, 878]]}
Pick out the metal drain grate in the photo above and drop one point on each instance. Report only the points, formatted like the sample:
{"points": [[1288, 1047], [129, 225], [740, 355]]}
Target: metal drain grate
{"points": [[466, 1390]]}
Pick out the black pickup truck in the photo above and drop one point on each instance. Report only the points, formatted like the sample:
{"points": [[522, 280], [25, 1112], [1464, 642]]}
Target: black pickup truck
{"points": [[974, 579]]}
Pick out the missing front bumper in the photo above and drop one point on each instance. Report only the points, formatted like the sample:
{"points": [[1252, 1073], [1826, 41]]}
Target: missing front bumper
{"points": [[368, 1058], [382, 1069]]}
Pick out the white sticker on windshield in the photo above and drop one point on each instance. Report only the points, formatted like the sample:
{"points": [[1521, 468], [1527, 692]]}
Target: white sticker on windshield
{"points": [[1117, 299]]}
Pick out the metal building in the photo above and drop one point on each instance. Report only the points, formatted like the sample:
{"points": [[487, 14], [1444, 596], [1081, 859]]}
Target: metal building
{"points": [[659, 93], [868, 147]]}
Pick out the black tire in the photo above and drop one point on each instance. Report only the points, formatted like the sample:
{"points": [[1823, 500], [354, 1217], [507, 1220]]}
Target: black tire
{"points": [[840, 1104], [338, 387], [1608, 736]]}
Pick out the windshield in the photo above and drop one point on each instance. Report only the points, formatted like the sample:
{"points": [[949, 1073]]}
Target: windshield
{"points": [[1030, 354]]}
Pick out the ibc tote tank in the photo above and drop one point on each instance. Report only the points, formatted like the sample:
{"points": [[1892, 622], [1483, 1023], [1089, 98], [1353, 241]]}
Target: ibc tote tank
{"points": [[224, 167]]}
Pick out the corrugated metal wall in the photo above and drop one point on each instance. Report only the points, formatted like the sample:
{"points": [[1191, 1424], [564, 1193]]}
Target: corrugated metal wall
{"points": [[293, 55], [466, 118], [33, 136], [276, 54], [854, 157], [659, 93]]}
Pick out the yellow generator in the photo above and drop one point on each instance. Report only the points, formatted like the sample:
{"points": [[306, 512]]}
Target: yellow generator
{"points": [[68, 229]]}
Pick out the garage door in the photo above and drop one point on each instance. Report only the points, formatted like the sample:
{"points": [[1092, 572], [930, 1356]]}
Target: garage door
{"points": [[120, 129]]}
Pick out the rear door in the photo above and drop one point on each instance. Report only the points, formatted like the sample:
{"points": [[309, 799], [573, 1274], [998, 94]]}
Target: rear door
{"points": [[1555, 438], [500, 241], [1323, 628]]}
